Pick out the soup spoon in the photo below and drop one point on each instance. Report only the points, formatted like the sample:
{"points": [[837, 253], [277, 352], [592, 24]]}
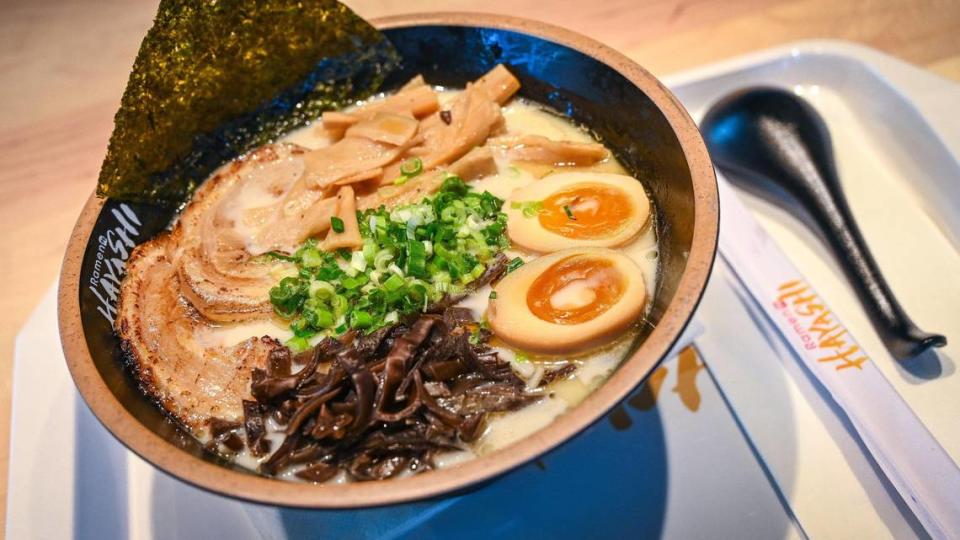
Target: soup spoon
{"points": [[775, 144]]}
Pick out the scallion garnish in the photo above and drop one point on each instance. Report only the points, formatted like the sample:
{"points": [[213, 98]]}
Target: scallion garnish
{"points": [[514, 263], [528, 208], [362, 319], [412, 256], [393, 283], [569, 212], [288, 296], [336, 224], [280, 256], [408, 169], [411, 167]]}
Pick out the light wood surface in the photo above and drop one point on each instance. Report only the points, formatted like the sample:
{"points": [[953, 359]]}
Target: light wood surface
{"points": [[64, 64]]}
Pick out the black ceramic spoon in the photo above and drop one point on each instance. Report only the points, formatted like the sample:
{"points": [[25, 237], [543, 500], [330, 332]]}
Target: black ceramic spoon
{"points": [[776, 144]]}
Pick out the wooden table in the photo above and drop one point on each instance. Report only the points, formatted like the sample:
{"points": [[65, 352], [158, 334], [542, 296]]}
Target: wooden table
{"points": [[64, 64]]}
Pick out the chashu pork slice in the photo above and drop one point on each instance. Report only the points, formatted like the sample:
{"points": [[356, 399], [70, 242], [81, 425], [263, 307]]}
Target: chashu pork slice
{"points": [[269, 200], [250, 206], [169, 346]]}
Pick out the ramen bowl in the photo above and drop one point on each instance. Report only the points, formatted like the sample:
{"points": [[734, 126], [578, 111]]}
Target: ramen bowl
{"points": [[623, 105]]}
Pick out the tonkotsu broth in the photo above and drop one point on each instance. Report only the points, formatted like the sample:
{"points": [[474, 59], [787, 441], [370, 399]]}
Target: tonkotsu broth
{"points": [[522, 118]]}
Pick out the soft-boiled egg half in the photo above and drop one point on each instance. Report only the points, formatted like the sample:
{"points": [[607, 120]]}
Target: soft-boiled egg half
{"points": [[577, 209], [567, 302]]}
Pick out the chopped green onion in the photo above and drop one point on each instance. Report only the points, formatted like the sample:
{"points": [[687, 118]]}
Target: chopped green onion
{"points": [[329, 272], [301, 328], [336, 224], [339, 304], [477, 271], [310, 258], [322, 290], [382, 259], [408, 169], [280, 256], [528, 208], [393, 282], [352, 283], [412, 255], [324, 318], [369, 250], [362, 319], [455, 185], [569, 212], [411, 167], [493, 295], [514, 263], [358, 262], [474, 338], [298, 344], [288, 296], [416, 259]]}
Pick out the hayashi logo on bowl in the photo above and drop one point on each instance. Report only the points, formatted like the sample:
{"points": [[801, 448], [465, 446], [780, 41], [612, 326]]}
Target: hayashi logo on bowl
{"points": [[113, 249], [815, 325]]}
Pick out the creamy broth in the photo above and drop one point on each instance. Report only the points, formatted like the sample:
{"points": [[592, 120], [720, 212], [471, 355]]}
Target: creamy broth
{"points": [[592, 368]]}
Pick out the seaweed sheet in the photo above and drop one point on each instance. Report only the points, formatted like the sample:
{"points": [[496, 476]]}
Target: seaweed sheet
{"points": [[214, 78]]}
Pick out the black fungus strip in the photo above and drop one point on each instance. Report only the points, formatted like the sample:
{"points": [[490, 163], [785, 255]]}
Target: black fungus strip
{"points": [[331, 426], [279, 459], [322, 351], [220, 427], [557, 374], [276, 382], [364, 386], [253, 424], [444, 370], [223, 435], [332, 379], [308, 408], [318, 472], [398, 361], [388, 402], [278, 363], [265, 388]]}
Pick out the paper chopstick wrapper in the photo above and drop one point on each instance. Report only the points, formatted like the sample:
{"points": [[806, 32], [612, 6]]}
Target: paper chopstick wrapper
{"points": [[907, 453]]}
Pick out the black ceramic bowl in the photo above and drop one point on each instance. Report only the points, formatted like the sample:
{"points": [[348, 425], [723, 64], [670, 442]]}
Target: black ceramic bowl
{"points": [[622, 104]]}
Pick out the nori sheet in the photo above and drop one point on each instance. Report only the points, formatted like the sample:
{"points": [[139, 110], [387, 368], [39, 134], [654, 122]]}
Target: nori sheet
{"points": [[214, 78]]}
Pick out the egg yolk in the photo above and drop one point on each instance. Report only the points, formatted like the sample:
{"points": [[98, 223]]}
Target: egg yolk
{"points": [[574, 290], [586, 211]]}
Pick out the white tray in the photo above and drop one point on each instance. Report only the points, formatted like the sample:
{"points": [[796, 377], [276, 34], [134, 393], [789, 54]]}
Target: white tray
{"points": [[703, 477], [896, 138]]}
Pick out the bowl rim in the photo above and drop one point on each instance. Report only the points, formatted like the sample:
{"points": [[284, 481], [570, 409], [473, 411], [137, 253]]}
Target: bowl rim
{"points": [[631, 372]]}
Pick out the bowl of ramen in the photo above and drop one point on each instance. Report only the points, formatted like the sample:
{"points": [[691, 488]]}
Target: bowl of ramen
{"points": [[413, 294]]}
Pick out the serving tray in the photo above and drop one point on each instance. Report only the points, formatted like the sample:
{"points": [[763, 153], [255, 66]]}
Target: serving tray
{"points": [[897, 142], [726, 440]]}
